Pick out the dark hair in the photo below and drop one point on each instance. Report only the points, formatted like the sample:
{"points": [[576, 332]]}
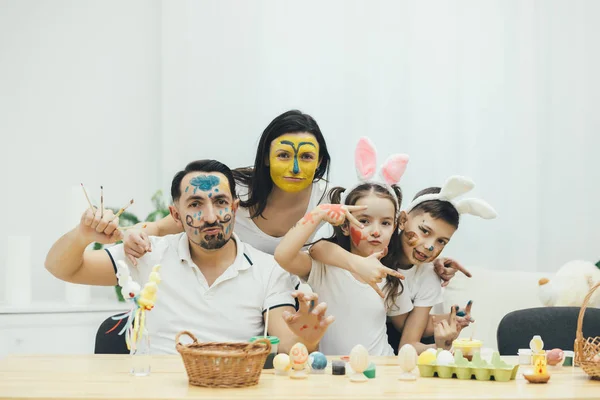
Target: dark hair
{"points": [[392, 258], [438, 209], [258, 178], [201, 166]]}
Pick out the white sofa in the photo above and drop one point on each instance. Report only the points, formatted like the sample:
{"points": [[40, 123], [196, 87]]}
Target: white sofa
{"points": [[495, 293]]}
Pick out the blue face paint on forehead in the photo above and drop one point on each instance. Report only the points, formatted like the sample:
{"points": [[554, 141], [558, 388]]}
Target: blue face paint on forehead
{"points": [[204, 182]]}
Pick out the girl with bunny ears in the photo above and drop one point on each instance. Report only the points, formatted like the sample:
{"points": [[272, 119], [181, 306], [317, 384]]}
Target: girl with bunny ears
{"points": [[425, 227], [365, 221]]}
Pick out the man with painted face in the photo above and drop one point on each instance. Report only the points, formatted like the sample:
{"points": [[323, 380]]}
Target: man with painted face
{"points": [[213, 284]]}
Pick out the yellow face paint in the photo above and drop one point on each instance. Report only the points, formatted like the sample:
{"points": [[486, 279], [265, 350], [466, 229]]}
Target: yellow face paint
{"points": [[293, 160]]}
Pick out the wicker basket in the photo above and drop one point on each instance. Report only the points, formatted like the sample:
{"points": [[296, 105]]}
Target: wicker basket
{"points": [[225, 365], [586, 349]]}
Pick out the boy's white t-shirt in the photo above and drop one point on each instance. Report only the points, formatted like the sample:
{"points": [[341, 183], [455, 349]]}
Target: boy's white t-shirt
{"points": [[360, 313], [424, 285], [251, 234]]}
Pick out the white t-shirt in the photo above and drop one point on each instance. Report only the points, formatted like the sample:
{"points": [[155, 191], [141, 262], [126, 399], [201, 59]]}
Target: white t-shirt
{"points": [[360, 313], [424, 285], [251, 234], [229, 310]]}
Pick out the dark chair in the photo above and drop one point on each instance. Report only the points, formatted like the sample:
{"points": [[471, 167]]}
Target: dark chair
{"points": [[556, 325], [108, 340]]}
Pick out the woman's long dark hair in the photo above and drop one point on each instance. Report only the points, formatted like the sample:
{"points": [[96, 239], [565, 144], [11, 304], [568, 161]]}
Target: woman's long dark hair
{"points": [[258, 178], [392, 258]]}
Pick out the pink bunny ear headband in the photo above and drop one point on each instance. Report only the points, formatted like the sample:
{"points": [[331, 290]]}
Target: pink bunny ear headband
{"points": [[454, 187], [365, 160]]}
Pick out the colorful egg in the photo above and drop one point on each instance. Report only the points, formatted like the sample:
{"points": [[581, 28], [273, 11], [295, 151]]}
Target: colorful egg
{"points": [[445, 358], [317, 361], [281, 362], [298, 356], [427, 358], [555, 356]]}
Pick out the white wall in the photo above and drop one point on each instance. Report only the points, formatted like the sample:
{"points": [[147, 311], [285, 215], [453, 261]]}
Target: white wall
{"points": [[79, 102], [124, 94], [502, 91]]}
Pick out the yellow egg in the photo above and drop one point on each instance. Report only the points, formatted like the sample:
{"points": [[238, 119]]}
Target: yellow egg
{"points": [[426, 358]]}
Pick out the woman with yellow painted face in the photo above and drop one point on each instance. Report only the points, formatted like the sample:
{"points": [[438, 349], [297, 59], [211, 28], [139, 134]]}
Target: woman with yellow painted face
{"points": [[288, 179]]}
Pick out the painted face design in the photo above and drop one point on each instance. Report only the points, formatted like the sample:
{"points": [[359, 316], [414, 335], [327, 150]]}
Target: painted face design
{"points": [[298, 354], [424, 237], [207, 209], [379, 225], [293, 161]]}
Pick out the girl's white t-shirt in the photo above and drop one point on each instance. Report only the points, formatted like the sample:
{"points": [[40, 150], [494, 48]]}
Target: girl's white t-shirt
{"points": [[424, 285], [360, 313], [249, 233]]}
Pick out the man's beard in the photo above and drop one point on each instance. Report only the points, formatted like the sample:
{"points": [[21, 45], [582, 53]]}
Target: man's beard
{"points": [[212, 242]]}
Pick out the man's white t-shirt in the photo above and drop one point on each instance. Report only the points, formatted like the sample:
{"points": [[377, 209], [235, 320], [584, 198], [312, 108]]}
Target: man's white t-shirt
{"points": [[229, 310], [424, 285], [360, 313], [251, 234]]}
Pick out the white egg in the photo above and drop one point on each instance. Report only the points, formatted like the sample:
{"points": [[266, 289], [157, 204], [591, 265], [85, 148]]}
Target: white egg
{"points": [[281, 362], [359, 358], [445, 358], [407, 358]]}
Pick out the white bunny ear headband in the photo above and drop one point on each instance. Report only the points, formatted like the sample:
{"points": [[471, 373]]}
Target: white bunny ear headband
{"points": [[454, 187], [365, 160]]}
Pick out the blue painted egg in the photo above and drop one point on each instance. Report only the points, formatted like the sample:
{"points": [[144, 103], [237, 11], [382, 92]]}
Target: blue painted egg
{"points": [[317, 360]]}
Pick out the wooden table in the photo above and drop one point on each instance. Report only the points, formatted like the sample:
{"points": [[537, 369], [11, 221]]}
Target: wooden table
{"points": [[107, 376]]}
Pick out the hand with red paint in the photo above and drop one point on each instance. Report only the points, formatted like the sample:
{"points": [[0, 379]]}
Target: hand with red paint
{"points": [[446, 269], [308, 324], [372, 271], [336, 214]]}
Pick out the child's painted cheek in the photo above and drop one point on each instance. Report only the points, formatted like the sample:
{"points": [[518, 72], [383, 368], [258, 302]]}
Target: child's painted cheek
{"points": [[356, 235], [412, 238]]}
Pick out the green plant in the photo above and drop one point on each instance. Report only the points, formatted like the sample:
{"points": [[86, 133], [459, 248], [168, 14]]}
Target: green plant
{"points": [[127, 218]]}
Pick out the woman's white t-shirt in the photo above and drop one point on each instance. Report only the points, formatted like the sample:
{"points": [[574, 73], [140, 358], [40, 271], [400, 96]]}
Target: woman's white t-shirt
{"points": [[249, 233], [360, 313]]}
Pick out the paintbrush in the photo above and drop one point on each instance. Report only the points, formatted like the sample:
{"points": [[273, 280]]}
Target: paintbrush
{"points": [[124, 228], [88, 199], [124, 208], [101, 201]]}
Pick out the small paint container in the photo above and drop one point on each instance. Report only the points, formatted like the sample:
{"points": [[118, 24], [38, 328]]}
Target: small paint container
{"points": [[525, 357], [569, 357], [338, 367], [274, 345]]}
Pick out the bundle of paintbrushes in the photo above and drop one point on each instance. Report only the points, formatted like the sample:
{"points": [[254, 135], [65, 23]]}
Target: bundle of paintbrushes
{"points": [[93, 209]]}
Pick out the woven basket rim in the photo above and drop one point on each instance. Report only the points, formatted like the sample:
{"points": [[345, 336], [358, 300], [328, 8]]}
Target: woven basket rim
{"points": [[219, 349]]}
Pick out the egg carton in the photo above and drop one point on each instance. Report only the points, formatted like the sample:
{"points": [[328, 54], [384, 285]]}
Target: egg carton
{"points": [[478, 368]]}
